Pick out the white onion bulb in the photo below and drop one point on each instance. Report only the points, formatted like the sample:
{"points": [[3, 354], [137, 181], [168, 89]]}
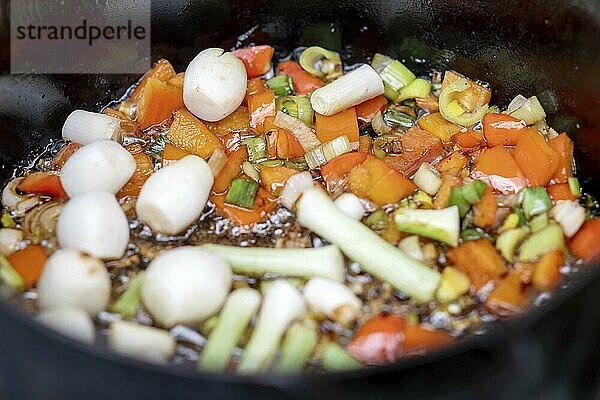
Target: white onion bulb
{"points": [[332, 299], [214, 84], [69, 321], [142, 342], [9, 240], [185, 285], [294, 187], [85, 127], [103, 166], [350, 204], [95, 224], [173, 197], [351, 89], [73, 279]]}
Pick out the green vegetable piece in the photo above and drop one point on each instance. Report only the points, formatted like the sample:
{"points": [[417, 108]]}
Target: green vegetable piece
{"points": [[538, 222], [419, 88], [281, 85], [272, 163], [377, 220], [508, 241], [297, 107], [241, 193], [315, 55], [541, 242], [457, 199], [7, 221], [257, 148], [442, 225], [535, 201], [297, 163], [530, 112], [157, 147], [574, 186], [10, 276], [447, 97], [298, 345], [335, 358], [475, 233], [396, 75], [393, 118], [127, 304], [473, 191], [521, 215]]}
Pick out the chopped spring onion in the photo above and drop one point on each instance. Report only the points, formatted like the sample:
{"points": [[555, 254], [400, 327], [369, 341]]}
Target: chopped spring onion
{"points": [[217, 161], [455, 109], [516, 103], [428, 179], [465, 196], [282, 304], [350, 204], [242, 193], [297, 107], [392, 72], [241, 305], [326, 152], [347, 91], [454, 284], [298, 345], [297, 163], [157, 147], [317, 212], [377, 220], [250, 171], [570, 215], [9, 275], [332, 299], [538, 222], [574, 186], [257, 148], [127, 304], [315, 55], [281, 85], [419, 88], [535, 201], [85, 127], [393, 117], [411, 246], [446, 98], [70, 321], [335, 358], [543, 241], [326, 261], [531, 111], [457, 199], [272, 163], [302, 132], [509, 240], [474, 234], [293, 188], [442, 225], [140, 341]]}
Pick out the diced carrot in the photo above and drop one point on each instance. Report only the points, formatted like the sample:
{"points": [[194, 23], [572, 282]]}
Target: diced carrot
{"points": [[525, 269], [438, 126], [586, 242], [364, 175], [365, 144], [43, 183], [304, 83], [162, 70], [256, 59], [508, 297], [485, 211], [468, 139], [536, 158], [474, 97], [190, 134], [172, 153], [64, 154], [261, 105], [546, 275], [452, 163], [563, 145], [263, 206], [498, 166], [560, 191], [144, 168], [158, 102], [129, 126], [443, 195], [337, 168], [502, 129], [271, 136], [421, 340], [380, 340], [29, 263], [231, 170], [237, 121], [177, 80], [430, 103], [478, 259], [231, 141], [274, 178], [333, 126], [288, 146], [254, 86], [418, 146], [366, 110]]}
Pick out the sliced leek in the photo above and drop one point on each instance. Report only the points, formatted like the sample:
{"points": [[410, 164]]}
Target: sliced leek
{"points": [[442, 225], [302, 132], [446, 98], [315, 55]]}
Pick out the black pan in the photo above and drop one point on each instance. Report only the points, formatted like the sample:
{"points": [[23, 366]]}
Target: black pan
{"points": [[549, 48]]}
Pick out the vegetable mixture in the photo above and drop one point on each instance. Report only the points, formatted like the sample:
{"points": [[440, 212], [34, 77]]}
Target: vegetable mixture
{"points": [[251, 216]]}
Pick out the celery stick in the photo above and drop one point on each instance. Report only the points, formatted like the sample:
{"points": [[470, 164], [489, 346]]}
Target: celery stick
{"points": [[298, 345]]}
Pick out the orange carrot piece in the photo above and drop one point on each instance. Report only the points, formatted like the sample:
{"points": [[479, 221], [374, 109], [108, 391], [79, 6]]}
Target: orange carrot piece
{"points": [[254, 86], [274, 178], [438, 126], [500, 168], [563, 145], [143, 169], [366, 110], [380, 340], [288, 146], [260, 106], [129, 126], [158, 102], [536, 158], [261, 209], [421, 340], [256, 59], [336, 125], [304, 83], [418, 146], [586, 242], [190, 134], [237, 121], [468, 139], [29, 263], [63, 155], [560, 191], [502, 129], [177, 80], [452, 163], [43, 183], [365, 144], [337, 168], [443, 195], [430, 103], [478, 259], [508, 297], [485, 211], [546, 275], [172, 153], [231, 141], [162, 70], [474, 97], [230, 171]]}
